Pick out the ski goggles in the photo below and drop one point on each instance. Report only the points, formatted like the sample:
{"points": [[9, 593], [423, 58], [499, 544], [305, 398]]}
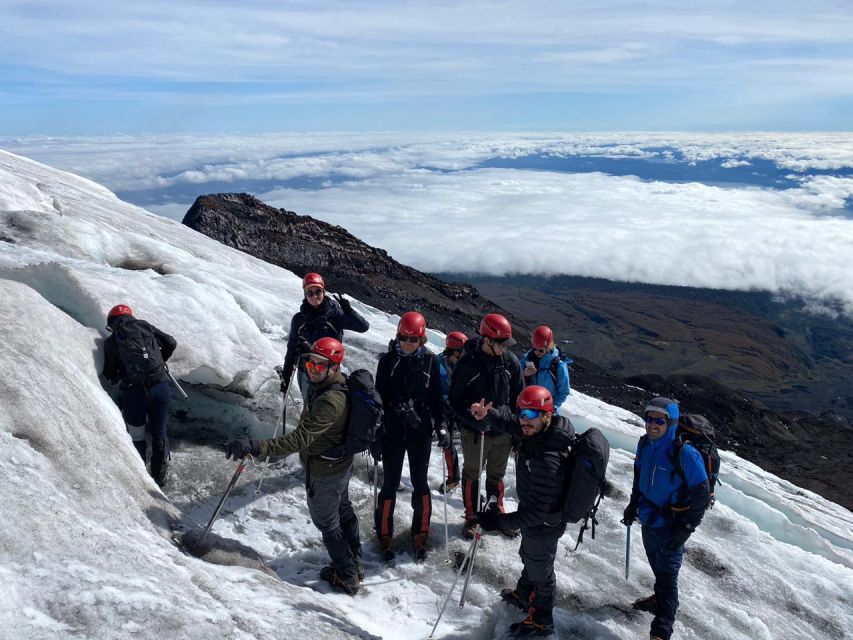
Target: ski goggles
{"points": [[317, 367], [529, 414], [658, 421]]}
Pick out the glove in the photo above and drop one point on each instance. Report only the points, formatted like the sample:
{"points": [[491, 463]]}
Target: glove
{"points": [[629, 515], [303, 345], [345, 304], [238, 448], [488, 519], [680, 533], [284, 385], [376, 450], [443, 438]]}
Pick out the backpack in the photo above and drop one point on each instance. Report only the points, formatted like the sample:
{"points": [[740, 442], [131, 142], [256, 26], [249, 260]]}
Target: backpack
{"points": [[584, 478], [139, 352], [365, 414], [697, 431], [554, 367]]}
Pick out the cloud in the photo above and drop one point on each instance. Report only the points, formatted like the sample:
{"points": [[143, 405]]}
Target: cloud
{"points": [[427, 200]]}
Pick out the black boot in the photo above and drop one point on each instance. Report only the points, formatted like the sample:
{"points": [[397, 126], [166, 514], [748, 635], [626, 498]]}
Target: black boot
{"points": [[646, 604], [339, 581], [159, 462], [511, 597]]}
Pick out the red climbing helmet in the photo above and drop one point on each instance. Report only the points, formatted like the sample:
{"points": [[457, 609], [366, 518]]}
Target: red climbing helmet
{"points": [[455, 340], [313, 280], [542, 337], [119, 310], [412, 323], [497, 327], [328, 348], [536, 398]]}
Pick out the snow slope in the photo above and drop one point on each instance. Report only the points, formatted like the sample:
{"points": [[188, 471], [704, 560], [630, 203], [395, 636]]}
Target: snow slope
{"points": [[85, 539]]}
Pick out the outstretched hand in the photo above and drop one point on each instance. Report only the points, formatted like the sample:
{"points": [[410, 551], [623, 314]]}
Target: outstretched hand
{"points": [[237, 449], [480, 409]]}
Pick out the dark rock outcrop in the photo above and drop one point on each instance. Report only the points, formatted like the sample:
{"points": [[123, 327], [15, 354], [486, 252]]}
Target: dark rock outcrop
{"points": [[302, 244]]}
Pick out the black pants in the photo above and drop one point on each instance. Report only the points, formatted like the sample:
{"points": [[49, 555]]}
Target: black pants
{"points": [[393, 454], [538, 583], [146, 409]]}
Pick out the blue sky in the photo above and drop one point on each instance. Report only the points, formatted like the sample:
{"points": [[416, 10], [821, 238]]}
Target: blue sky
{"points": [[95, 67]]}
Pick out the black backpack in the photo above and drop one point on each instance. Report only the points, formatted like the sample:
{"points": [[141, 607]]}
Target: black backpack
{"points": [[139, 353], [697, 431], [365, 414], [584, 476]]}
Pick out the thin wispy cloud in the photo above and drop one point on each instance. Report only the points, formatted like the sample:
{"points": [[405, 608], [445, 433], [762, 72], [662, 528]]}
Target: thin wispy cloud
{"points": [[298, 54]]}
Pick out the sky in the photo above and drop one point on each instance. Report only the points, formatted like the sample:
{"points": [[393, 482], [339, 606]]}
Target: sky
{"points": [[96, 67]]}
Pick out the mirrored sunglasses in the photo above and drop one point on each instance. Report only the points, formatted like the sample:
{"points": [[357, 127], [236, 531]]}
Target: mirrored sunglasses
{"points": [[529, 414], [658, 421], [318, 367]]}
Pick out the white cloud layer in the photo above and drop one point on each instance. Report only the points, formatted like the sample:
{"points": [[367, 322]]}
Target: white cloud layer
{"points": [[421, 198]]}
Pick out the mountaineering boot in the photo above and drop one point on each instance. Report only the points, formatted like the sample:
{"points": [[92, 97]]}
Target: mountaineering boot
{"points": [[469, 529], [448, 486], [347, 585], [386, 548], [159, 462], [420, 544], [646, 604], [510, 597], [653, 637], [530, 627]]}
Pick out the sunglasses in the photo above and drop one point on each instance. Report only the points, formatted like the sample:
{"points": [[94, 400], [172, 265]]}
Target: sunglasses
{"points": [[538, 350], [658, 421], [317, 367], [409, 339], [529, 414], [313, 293]]}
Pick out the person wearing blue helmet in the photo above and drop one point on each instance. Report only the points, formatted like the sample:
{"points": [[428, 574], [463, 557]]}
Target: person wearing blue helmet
{"points": [[669, 497]]}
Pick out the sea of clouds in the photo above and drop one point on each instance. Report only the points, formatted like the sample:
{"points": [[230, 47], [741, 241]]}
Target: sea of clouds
{"points": [[432, 202]]}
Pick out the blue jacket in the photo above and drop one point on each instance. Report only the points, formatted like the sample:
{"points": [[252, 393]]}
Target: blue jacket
{"points": [[659, 486], [445, 370], [557, 384]]}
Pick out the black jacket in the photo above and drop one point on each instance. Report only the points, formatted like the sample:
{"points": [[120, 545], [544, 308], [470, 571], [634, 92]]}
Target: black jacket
{"points": [[114, 370], [539, 477], [309, 324], [478, 376], [401, 379]]}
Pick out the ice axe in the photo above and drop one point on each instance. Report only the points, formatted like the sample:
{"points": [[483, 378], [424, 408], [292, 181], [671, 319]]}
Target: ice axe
{"points": [[237, 473], [175, 382], [627, 551]]}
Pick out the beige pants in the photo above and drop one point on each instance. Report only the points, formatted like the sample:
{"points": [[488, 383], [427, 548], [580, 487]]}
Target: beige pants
{"points": [[496, 452]]}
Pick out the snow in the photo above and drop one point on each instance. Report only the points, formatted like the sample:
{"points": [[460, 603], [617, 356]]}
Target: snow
{"points": [[86, 538]]}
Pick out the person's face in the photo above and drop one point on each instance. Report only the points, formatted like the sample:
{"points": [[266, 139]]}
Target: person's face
{"points": [[493, 347], [530, 425], [318, 368], [656, 424], [314, 295], [409, 344], [539, 351]]}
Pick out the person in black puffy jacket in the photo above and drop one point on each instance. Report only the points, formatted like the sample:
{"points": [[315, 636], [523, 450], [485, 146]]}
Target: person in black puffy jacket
{"points": [[483, 391], [539, 468], [409, 381], [320, 316]]}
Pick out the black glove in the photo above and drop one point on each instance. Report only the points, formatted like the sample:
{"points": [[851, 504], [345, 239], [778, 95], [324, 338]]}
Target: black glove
{"points": [[284, 377], [488, 519], [629, 515], [345, 304], [680, 533], [303, 346], [443, 438], [284, 385], [376, 449], [238, 448]]}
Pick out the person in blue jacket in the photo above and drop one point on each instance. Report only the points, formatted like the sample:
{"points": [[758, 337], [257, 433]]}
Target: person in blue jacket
{"points": [[544, 366], [669, 496], [446, 362]]}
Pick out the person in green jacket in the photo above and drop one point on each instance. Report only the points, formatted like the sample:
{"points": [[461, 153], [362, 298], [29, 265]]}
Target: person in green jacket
{"points": [[322, 429]]}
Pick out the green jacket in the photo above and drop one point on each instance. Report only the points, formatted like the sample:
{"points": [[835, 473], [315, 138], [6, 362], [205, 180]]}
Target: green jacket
{"points": [[322, 425]]}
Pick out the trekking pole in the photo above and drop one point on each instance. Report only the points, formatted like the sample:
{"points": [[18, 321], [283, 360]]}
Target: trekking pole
{"points": [[282, 420], [628, 552], [446, 531], [175, 382], [375, 484], [478, 533], [453, 586], [237, 472]]}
